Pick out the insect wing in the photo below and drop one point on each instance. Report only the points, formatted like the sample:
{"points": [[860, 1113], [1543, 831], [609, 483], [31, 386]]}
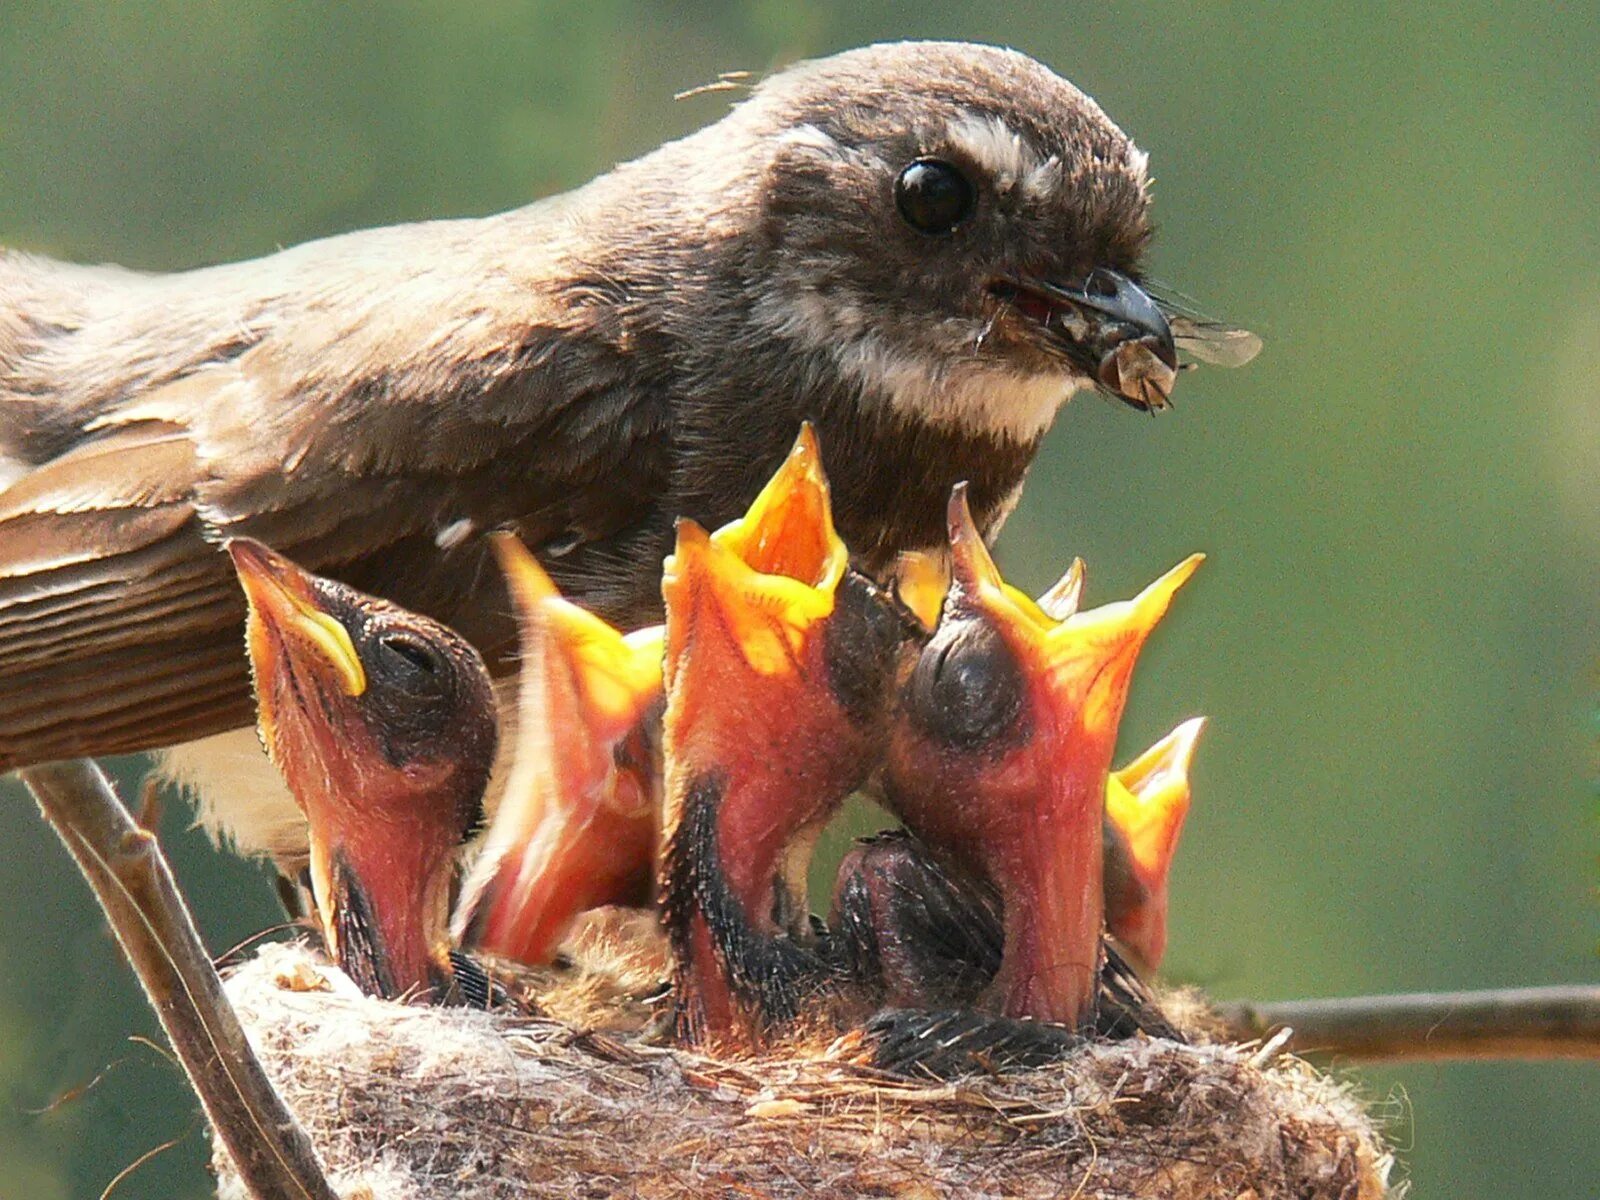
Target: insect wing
{"points": [[1213, 343]]}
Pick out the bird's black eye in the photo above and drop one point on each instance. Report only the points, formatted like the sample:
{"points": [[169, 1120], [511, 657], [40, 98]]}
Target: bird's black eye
{"points": [[966, 690], [413, 654], [934, 196]]}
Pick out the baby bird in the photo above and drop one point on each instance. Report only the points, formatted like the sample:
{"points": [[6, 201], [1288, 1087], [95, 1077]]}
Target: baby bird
{"points": [[999, 757], [382, 723], [578, 823], [778, 668]]}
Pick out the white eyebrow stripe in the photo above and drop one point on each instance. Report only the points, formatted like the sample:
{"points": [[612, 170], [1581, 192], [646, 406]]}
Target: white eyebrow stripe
{"points": [[1045, 178], [810, 137], [994, 146]]}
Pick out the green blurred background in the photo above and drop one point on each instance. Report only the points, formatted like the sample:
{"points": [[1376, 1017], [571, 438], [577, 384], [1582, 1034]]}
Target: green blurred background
{"points": [[1395, 635]]}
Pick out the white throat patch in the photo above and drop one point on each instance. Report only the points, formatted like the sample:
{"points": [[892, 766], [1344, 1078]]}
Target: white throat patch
{"points": [[966, 397]]}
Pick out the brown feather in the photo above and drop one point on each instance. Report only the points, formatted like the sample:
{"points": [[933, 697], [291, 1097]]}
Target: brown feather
{"points": [[344, 401]]}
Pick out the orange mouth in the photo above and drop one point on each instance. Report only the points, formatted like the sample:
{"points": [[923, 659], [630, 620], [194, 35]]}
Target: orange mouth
{"points": [[1146, 803], [760, 749], [578, 822]]}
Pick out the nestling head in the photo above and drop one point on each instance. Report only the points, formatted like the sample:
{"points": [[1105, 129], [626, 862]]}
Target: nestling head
{"points": [[382, 722]]}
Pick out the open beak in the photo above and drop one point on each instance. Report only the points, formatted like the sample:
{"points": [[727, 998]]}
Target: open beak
{"points": [[921, 582], [788, 529], [1109, 327], [1146, 803], [1085, 654], [577, 826], [749, 595], [748, 700], [1014, 783]]}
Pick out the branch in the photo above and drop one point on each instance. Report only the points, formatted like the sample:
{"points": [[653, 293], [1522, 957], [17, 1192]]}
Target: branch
{"points": [[130, 878], [1512, 1023]]}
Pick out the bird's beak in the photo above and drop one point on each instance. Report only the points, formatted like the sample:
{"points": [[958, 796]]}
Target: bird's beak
{"points": [[788, 530], [757, 587], [1146, 803], [1030, 806], [743, 648], [286, 619], [1109, 327], [920, 582], [1086, 657], [576, 828], [579, 821], [1061, 600]]}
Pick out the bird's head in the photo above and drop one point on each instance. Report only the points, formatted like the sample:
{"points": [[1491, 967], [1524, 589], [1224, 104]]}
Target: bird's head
{"points": [[1000, 756], [382, 723], [752, 674], [960, 229], [779, 660], [1146, 801]]}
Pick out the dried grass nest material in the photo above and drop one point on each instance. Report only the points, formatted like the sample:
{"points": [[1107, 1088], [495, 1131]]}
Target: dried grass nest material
{"points": [[414, 1103]]}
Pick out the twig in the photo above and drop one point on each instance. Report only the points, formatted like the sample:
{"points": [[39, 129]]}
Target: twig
{"points": [[130, 878], [1512, 1023]]}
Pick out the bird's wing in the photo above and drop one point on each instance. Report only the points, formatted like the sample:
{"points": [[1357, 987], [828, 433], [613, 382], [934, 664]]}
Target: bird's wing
{"points": [[363, 404], [115, 616]]}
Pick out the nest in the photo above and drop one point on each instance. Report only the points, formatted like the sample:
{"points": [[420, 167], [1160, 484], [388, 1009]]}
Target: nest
{"points": [[415, 1103]]}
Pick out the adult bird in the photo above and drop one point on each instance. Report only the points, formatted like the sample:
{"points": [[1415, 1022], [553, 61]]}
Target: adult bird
{"points": [[923, 248]]}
